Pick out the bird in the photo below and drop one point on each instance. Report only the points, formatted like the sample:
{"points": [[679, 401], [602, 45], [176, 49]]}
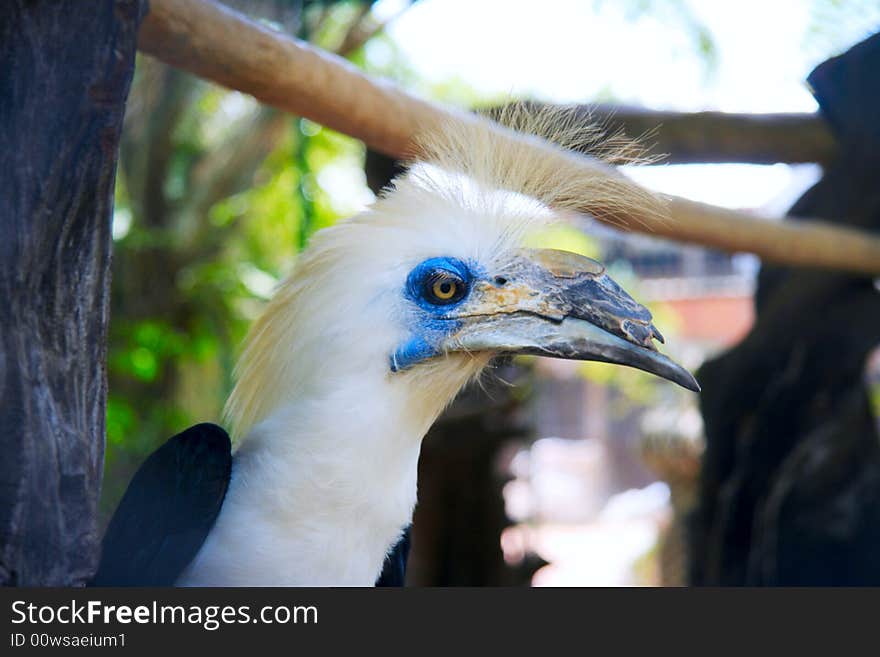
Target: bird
{"points": [[384, 318]]}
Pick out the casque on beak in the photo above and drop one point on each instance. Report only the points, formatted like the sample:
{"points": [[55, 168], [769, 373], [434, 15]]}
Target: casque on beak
{"points": [[563, 305]]}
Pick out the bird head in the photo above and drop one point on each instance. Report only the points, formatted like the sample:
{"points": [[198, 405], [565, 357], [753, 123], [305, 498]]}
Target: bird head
{"points": [[420, 291], [538, 301]]}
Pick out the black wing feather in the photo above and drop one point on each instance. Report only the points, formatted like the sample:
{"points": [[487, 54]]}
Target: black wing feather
{"points": [[168, 510], [394, 569]]}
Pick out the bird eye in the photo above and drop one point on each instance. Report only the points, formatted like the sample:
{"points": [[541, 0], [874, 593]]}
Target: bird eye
{"points": [[444, 287]]}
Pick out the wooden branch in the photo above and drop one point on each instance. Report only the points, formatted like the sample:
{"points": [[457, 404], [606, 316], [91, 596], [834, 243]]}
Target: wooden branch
{"points": [[364, 29], [713, 137], [159, 100], [804, 243], [175, 90], [692, 137], [232, 167], [221, 45], [355, 36]]}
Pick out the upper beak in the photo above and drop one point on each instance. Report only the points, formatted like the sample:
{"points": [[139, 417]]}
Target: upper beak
{"points": [[560, 304]]}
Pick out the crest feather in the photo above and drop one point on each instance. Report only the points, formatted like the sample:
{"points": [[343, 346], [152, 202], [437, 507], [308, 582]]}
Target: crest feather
{"points": [[508, 159]]}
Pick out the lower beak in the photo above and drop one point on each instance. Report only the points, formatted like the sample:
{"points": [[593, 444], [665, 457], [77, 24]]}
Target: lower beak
{"points": [[562, 305]]}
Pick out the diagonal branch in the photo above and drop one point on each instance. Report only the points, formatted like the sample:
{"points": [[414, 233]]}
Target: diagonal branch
{"points": [[148, 138], [223, 46], [365, 28], [233, 165]]}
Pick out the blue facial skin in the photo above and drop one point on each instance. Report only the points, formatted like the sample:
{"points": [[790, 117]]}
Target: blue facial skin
{"points": [[430, 324]]}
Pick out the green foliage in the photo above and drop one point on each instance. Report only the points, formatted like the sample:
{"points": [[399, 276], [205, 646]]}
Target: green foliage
{"points": [[215, 197]]}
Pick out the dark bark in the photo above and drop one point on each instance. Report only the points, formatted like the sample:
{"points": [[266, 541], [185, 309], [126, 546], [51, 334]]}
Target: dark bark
{"points": [[66, 75], [790, 489]]}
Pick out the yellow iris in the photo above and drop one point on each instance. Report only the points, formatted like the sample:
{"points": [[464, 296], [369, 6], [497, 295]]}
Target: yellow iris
{"points": [[444, 289]]}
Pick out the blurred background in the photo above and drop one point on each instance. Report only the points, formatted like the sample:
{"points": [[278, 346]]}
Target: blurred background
{"points": [[553, 472]]}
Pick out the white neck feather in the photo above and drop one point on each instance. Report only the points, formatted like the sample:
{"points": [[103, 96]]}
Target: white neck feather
{"points": [[323, 487]]}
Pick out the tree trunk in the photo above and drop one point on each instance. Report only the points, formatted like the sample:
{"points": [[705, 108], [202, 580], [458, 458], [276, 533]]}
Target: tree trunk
{"points": [[66, 76], [456, 530], [790, 490]]}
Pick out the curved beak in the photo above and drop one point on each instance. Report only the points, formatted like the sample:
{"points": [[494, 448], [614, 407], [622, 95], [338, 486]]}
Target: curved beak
{"points": [[562, 305]]}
